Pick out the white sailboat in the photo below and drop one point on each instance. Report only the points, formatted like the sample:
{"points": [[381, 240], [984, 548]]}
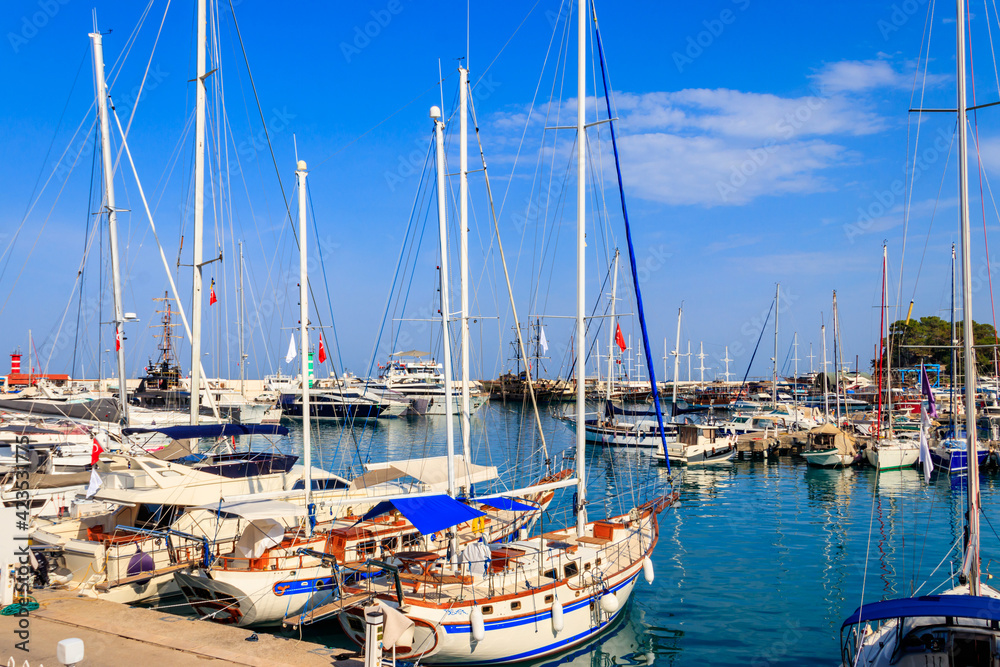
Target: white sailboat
{"points": [[530, 597], [961, 626]]}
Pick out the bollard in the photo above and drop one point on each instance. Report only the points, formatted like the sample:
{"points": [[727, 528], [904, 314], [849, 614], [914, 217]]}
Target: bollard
{"points": [[374, 626]]}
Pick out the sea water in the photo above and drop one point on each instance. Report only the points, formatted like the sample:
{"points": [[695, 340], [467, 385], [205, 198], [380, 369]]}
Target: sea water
{"points": [[758, 564]]}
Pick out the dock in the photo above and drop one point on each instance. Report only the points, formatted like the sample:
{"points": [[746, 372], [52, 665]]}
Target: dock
{"points": [[765, 445], [116, 634]]}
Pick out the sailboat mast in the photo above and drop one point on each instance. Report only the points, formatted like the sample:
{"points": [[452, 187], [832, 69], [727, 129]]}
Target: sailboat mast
{"points": [[774, 372], [826, 394], [242, 304], [795, 380], [611, 336], [837, 355], [677, 359], [954, 344], [199, 213], [888, 343], [972, 548], [109, 194], [300, 174], [449, 404], [581, 262], [463, 256]]}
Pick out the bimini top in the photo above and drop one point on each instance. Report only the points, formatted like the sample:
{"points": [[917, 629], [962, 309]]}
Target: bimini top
{"points": [[410, 353], [956, 606], [431, 472], [209, 430], [255, 510], [428, 514]]}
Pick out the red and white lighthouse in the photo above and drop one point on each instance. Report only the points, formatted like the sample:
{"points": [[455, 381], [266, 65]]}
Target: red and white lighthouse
{"points": [[15, 362]]}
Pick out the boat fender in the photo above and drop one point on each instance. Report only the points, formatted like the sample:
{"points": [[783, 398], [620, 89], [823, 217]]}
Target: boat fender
{"points": [[557, 616], [477, 624], [609, 603], [647, 570]]}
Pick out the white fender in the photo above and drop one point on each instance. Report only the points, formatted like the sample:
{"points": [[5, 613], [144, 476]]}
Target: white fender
{"points": [[647, 570], [557, 616], [609, 603], [478, 624]]}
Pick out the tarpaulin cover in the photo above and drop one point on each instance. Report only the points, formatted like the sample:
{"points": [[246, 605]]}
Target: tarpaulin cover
{"points": [[958, 606], [210, 430], [428, 514]]}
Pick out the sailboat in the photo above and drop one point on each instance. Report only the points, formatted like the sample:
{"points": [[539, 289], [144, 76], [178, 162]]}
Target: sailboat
{"points": [[962, 625], [526, 598], [888, 453]]}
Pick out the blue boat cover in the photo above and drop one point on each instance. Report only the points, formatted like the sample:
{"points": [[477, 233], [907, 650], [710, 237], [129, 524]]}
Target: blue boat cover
{"points": [[428, 514], [210, 430], [506, 504], [958, 606]]}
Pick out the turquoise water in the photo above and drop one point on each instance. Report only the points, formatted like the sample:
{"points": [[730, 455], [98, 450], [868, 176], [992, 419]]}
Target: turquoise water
{"points": [[758, 564]]}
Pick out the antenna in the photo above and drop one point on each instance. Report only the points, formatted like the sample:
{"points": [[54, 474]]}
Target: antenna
{"points": [[441, 85]]}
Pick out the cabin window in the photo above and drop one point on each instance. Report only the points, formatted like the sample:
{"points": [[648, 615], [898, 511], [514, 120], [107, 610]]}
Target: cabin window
{"points": [[356, 624], [366, 548], [411, 540], [488, 609], [551, 574], [571, 569], [389, 544], [549, 599], [586, 567], [597, 562], [514, 606]]}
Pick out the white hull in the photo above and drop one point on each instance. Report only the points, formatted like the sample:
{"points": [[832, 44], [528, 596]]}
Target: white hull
{"points": [[892, 456], [828, 458]]}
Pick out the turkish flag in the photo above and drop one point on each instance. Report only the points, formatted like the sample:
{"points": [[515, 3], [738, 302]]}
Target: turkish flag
{"points": [[118, 337], [322, 350], [620, 339], [96, 452], [211, 293]]}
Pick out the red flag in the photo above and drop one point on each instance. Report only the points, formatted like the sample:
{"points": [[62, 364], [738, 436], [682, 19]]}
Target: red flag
{"points": [[322, 350], [211, 293], [620, 339], [96, 452], [118, 337]]}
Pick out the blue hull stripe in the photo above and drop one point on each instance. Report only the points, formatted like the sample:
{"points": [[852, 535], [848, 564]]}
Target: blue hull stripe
{"points": [[465, 628]]}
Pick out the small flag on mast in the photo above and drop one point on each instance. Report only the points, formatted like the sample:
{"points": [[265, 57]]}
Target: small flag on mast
{"points": [[291, 350], [542, 342], [619, 338], [96, 452], [211, 293], [118, 337], [322, 350]]}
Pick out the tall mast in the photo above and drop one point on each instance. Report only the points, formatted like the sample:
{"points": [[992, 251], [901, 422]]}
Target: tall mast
{"points": [[701, 361], [811, 357], [199, 212], [954, 345], [581, 262], [242, 306], [826, 394], [774, 378], [837, 355], [795, 380], [611, 337], [972, 548], [449, 404], [689, 359], [109, 194], [677, 358], [300, 174], [726, 360], [463, 257]]}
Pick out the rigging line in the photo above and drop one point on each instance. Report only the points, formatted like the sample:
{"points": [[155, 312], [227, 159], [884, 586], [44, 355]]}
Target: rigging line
{"points": [[928, 31], [756, 347], [982, 201], [930, 226], [326, 283], [507, 43], [86, 235], [119, 63], [989, 33], [382, 122], [38, 237], [510, 291], [631, 249], [527, 120]]}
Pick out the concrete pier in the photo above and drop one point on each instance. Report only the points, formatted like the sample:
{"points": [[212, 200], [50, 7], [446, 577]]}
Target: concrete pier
{"points": [[116, 634]]}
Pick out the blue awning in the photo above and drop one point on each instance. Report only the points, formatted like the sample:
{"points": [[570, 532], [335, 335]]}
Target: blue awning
{"points": [[428, 514], [506, 504], [210, 430], [957, 606]]}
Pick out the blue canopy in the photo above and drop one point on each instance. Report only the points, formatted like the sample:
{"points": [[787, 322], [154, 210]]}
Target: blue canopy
{"points": [[210, 430], [506, 504], [957, 606], [428, 514]]}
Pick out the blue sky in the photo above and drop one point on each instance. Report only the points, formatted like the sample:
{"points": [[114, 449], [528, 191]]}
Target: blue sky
{"points": [[760, 144]]}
